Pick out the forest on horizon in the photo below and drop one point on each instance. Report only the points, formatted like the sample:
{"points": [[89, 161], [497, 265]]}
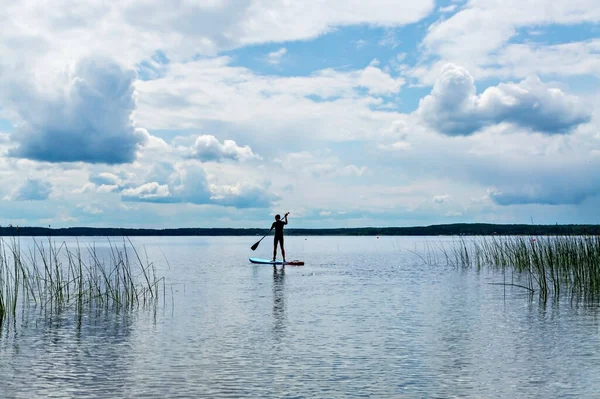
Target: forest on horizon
{"points": [[433, 230]]}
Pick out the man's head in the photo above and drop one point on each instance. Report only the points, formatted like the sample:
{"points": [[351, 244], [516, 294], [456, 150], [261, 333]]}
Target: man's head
{"points": [[277, 217]]}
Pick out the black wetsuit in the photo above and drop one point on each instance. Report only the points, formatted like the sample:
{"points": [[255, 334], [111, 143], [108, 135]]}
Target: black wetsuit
{"points": [[278, 226]]}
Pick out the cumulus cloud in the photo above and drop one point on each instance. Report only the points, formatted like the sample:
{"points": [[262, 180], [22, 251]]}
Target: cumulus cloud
{"points": [[105, 178], [454, 108], [189, 183], [148, 192], [103, 182], [168, 183], [328, 104], [87, 120], [439, 199], [32, 190], [192, 184], [318, 165], [209, 148], [242, 195], [217, 95]]}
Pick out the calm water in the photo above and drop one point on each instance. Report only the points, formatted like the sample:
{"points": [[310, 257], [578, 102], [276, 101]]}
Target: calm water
{"points": [[364, 317]]}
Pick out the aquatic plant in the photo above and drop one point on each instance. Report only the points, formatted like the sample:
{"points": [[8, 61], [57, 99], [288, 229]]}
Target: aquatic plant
{"points": [[549, 265], [51, 275]]}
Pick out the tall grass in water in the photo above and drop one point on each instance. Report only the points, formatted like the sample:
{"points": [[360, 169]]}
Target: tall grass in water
{"points": [[551, 265], [54, 276]]}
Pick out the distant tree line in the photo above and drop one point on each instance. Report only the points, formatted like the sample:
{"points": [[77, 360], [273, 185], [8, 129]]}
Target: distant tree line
{"points": [[434, 230]]}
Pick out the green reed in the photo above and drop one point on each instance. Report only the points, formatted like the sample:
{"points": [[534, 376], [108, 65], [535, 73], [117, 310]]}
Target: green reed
{"points": [[550, 265], [51, 275]]}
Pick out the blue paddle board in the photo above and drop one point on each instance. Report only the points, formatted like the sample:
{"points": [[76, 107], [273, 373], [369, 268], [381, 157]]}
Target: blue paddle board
{"points": [[277, 262]]}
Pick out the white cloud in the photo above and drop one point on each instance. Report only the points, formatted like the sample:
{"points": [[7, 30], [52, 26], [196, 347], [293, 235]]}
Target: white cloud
{"points": [[293, 23], [133, 30], [105, 178], [275, 57], [360, 43], [439, 199], [242, 195], [396, 146], [390, 39], [85, 117], [90, 209], [575, 58], [454, 108], [389, 165], [376, 81], [107, 188], [520, 60], [147, 192], [187, 182], [448, 9], [521, 169], [497, 22], [208, 148], [318, 165], [329, 104], [477, 37], [32, 190]]}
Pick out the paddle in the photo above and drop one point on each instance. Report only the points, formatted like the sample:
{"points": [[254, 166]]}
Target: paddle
{"points": [[258, 242]]}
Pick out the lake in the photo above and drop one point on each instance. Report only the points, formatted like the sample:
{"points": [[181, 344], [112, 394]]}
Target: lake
{"points": [[365, 317]]}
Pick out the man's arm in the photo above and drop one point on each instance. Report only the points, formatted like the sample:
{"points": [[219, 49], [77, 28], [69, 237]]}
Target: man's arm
{"points": [[285, 221]]}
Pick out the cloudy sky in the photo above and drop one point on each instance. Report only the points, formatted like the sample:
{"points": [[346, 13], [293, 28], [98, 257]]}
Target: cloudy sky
{"points": [[209, 113]]}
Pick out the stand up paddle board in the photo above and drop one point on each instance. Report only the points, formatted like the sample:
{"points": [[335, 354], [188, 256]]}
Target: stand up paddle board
{"points": [[277, 262]]}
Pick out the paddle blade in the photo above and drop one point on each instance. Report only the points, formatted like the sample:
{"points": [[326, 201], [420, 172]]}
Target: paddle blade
{"points": [[255, 246]]}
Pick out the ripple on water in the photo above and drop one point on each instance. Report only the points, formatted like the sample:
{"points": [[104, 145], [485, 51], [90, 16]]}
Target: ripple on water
{"points": [[358, 320]]}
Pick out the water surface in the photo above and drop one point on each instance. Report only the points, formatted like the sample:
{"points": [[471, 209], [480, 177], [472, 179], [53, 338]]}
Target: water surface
{"points": [[365, 317]]}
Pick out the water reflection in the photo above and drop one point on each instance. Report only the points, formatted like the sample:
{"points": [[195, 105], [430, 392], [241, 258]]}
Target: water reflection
{"points": [[278, 303], [75, 352]]}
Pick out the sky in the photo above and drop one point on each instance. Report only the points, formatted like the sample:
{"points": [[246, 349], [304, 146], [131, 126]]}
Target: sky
{"points": [[353, 113]]}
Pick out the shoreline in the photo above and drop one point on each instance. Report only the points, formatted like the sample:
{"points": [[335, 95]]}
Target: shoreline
{"points": [[467, 229]]}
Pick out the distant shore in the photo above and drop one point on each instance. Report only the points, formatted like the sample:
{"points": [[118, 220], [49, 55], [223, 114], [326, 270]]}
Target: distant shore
{"points": [[433, 230]]}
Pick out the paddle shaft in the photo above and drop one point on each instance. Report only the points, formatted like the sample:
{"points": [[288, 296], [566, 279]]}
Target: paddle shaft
{"points": [[258, 242]]}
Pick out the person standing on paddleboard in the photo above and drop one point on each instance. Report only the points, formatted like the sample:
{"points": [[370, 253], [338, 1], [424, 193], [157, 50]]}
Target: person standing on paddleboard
{"points": [[278, 226]]}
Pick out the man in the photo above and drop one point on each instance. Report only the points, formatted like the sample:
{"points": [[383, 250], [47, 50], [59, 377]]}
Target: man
{"points": [[278, 226]]}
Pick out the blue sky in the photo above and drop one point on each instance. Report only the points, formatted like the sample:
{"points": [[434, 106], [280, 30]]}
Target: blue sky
{"points": [[221, 113]]}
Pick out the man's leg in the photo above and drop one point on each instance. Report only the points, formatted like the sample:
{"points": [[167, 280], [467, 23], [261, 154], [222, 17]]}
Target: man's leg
{"points": [[282, 250], [274, 248]]}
